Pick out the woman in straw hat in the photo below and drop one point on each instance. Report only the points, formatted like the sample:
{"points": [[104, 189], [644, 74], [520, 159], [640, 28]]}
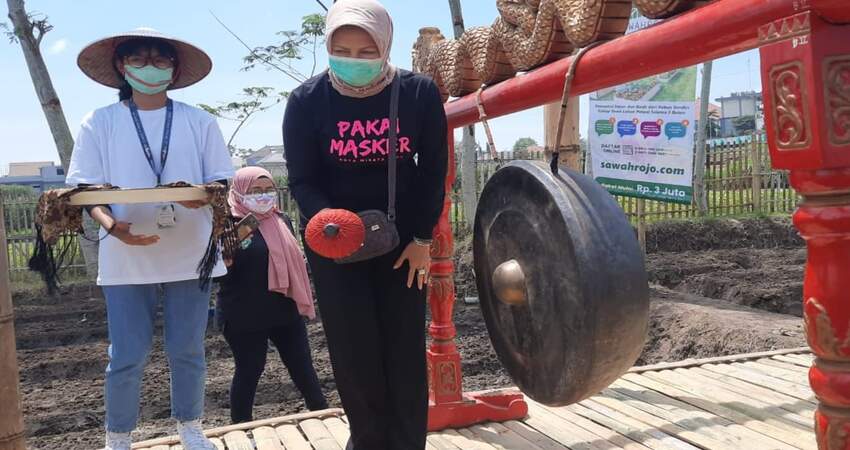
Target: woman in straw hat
{"points": [[149, 252], [335, 133]]}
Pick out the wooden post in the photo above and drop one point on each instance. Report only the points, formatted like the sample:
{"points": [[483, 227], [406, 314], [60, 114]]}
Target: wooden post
{"points": [[641, 225], [756, 168], [569, 148], [11, 417]]}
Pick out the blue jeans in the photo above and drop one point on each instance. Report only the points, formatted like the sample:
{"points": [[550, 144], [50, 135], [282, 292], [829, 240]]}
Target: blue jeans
{"points": [[131, 312]]}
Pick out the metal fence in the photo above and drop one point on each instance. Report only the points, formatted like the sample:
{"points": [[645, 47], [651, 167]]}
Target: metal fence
{"points": [[738, 181]]}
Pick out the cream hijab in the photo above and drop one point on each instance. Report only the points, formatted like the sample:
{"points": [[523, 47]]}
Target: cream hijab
{"points": [[373, 18]]}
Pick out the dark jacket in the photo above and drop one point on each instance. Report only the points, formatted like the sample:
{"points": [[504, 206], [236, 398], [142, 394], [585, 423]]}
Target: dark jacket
{"points": [[336, 151], [244, 302]]}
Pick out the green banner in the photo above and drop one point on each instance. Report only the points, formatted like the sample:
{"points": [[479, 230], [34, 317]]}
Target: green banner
{"points": [[652, 191], [641, 133]]}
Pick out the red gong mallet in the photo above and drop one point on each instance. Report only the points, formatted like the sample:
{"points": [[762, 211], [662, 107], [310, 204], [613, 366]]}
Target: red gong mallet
{"points": [[335, 233]]}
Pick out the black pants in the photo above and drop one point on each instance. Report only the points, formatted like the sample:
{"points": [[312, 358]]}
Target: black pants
{"points": [[249, 352], [375, 326]]}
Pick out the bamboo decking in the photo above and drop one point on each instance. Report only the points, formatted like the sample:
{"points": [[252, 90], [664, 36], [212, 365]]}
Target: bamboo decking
{"points": [[745, 402]]}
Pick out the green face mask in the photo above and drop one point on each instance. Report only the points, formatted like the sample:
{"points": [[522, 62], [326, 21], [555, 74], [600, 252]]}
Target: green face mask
{"points": [[356, 72], [149, 79]]}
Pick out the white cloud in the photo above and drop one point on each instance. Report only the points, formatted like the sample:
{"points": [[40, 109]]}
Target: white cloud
{"points": [[59, 46]]}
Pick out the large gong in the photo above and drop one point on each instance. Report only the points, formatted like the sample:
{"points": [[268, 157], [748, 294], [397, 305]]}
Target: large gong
{"points": [[561, 280]]}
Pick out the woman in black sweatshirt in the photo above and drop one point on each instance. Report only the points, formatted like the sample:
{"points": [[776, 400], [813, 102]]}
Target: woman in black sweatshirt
{"points": [[335, 134]]}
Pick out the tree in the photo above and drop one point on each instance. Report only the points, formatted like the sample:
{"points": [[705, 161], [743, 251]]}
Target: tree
{"points": [[277, 56], [521, 147], [744, 124], [259, 99], [714, 124], [29, 29]]}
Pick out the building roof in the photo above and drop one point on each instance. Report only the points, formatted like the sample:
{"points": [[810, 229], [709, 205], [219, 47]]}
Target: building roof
{"points": [[741, 95], [265, 151], [711, 108], [27, 169], [273, 158]]}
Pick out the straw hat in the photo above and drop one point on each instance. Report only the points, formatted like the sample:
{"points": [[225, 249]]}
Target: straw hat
{"points": [[97, 59]]}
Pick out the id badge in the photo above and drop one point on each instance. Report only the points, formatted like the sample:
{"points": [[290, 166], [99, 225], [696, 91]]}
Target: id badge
{"points": [[166, 216]]}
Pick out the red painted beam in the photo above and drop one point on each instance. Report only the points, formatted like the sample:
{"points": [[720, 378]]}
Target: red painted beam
{"points": [[719, 29], [835, 11]]}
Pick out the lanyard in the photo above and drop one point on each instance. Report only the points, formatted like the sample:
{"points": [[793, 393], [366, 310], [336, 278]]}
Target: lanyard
{"points": [[143, 139]]}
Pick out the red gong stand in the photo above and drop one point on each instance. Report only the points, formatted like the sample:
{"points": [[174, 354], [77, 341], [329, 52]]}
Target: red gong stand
{"points": [[805, 60], [805, 68], [449, 406]]}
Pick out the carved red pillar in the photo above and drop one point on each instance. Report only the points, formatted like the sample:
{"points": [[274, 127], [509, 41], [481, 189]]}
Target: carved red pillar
{"points": [[443, 359], [449, 407], [805, 63]]}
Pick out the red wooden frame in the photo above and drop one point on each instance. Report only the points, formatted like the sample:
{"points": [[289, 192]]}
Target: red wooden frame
{"points": [[805, 59]]}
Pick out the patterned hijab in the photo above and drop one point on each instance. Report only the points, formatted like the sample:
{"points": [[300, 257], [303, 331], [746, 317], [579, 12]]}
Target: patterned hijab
{"points": [[373, 18]]}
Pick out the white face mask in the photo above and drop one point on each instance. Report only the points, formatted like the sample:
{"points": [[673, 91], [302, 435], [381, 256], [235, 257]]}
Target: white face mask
{"points": [[260, 203]]}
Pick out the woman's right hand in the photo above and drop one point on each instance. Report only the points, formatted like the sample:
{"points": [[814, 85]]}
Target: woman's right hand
{"points": [[121, 231]]}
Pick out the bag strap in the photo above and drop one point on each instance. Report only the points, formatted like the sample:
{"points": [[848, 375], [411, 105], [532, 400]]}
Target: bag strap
{"points": [[393, 146]]}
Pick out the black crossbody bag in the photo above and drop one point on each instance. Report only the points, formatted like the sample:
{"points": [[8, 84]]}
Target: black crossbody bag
{"points": [[381, 232]]}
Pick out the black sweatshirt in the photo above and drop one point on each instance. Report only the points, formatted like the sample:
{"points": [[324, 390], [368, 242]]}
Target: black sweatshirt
{"points": [[244, 302], [336, 151]]}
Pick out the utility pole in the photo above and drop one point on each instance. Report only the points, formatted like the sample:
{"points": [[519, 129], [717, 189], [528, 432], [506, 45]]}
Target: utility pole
{"points": [[468, 158], [700, 192]]}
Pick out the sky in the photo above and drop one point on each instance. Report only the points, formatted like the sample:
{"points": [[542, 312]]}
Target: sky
{"points": [[26, 136]]}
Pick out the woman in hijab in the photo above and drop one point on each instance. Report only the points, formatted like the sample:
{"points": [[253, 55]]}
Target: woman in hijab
{"points": [[335, 134], [263, 297]]}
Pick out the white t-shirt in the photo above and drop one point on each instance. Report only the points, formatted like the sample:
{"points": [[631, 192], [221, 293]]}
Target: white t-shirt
{"points": [[108, 150]]}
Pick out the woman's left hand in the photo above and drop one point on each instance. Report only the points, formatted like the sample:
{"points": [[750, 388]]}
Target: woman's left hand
{"points": [[418, 259]]}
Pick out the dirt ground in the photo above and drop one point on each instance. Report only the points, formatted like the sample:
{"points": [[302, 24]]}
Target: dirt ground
{"points": [[718, 288]]}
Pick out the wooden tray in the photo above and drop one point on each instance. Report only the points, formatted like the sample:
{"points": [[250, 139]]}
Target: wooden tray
{"points": [[148, 195]]}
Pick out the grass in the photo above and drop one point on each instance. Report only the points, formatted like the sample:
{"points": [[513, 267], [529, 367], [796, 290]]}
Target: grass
{"points": [[681, 87]]}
